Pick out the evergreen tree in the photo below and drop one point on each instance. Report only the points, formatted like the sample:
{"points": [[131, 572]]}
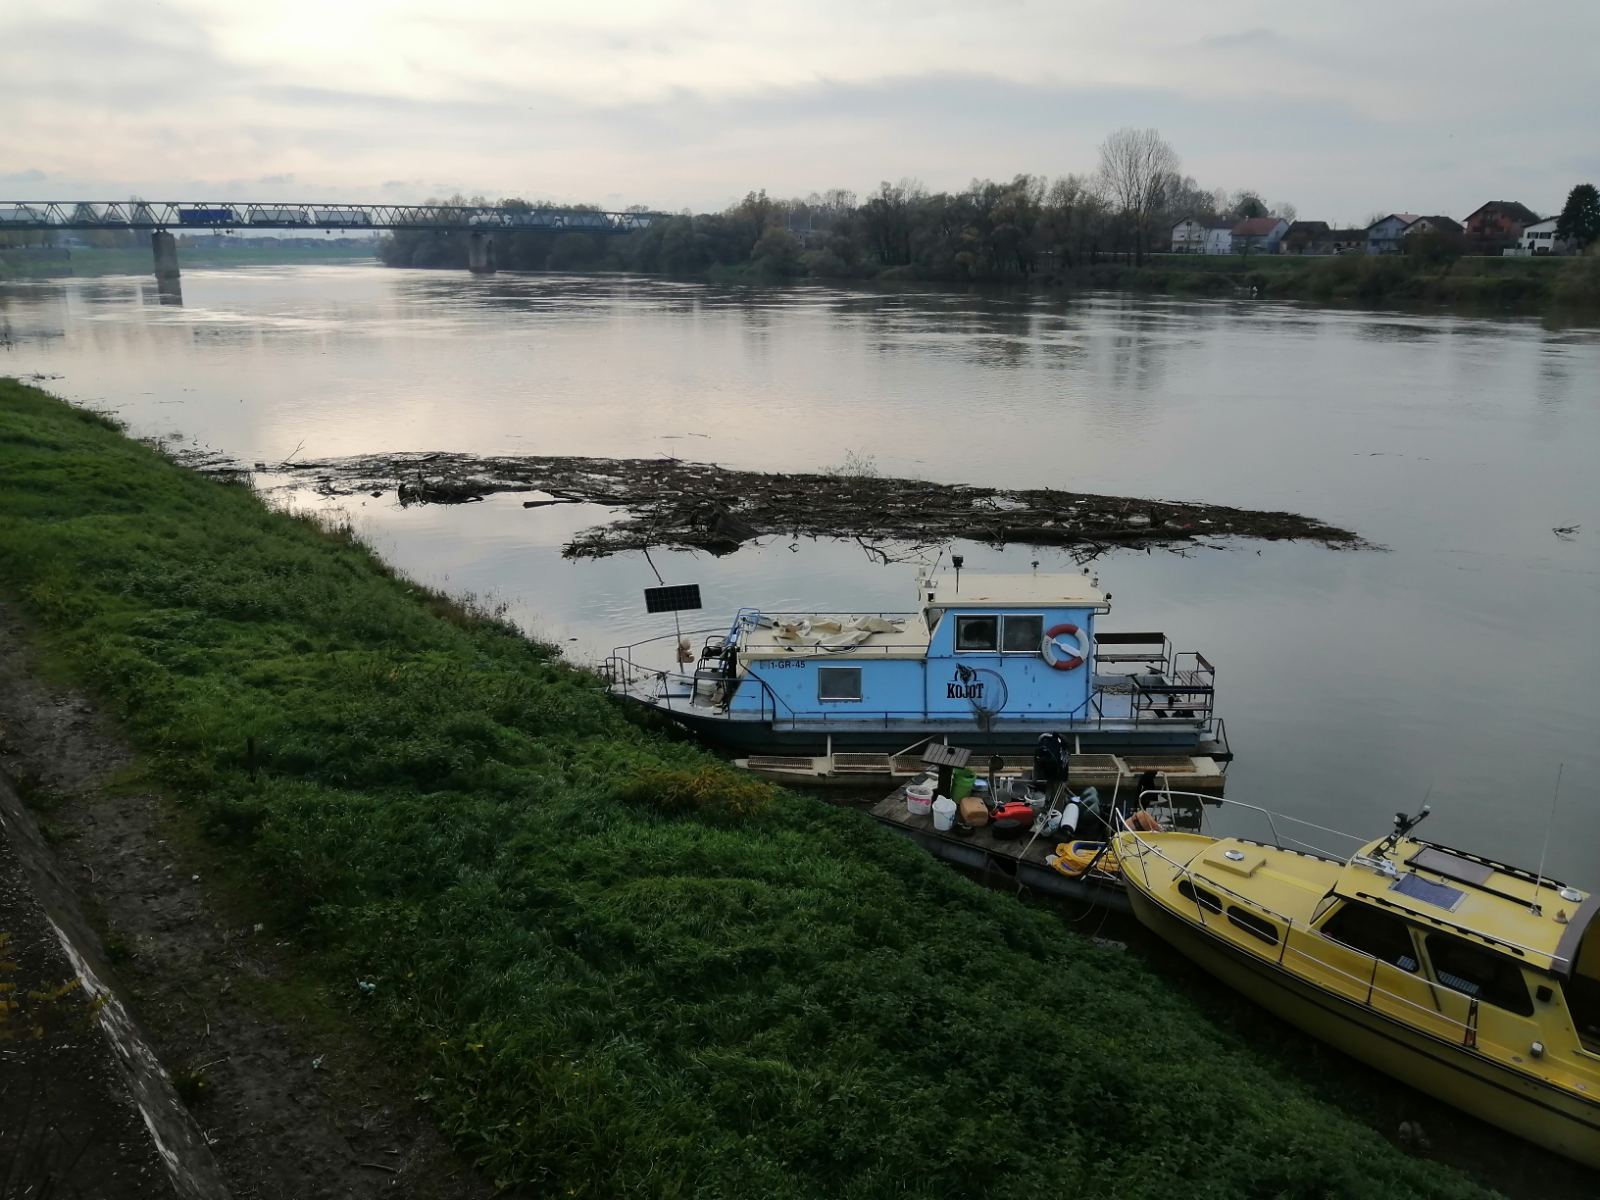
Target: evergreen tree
{"points": [[1580, 218]]}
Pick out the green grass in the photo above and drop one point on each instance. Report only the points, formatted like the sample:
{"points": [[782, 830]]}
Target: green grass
{"points": [[614, 967], [1505, 284]]}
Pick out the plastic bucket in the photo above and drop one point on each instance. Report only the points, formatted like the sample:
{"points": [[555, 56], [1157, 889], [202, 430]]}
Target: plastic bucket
{"points": [[919, 799], [944, 813], [961, 781]]}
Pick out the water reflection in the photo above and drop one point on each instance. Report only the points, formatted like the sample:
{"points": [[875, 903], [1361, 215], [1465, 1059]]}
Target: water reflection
{"points": [[1461, 658]]}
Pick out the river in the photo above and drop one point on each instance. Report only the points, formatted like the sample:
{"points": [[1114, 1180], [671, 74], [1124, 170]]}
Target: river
{"points": [[1459, 663]]}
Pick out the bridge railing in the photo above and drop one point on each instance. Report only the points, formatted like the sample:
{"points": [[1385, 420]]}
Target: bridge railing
{"points": [[233, 214]]}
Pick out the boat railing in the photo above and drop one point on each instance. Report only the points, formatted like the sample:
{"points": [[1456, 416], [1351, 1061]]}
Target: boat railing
{"points": [[1371, 993], [1222, 803], [1180, 694]]}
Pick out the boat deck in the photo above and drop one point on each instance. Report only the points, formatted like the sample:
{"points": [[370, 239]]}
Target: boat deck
{"points": [[824, 636], [1107, 772]]}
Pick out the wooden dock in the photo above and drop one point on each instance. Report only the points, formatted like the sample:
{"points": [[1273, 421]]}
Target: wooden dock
{"points": [[1021, 860], [1106, 772]]}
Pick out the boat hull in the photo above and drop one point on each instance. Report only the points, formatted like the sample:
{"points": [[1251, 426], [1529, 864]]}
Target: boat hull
{"points": [[739, 736], [1454, 1074]]}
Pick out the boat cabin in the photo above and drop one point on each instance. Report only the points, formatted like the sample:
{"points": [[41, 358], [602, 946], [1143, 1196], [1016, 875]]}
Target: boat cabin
{"points": [[1455, 945], [1473, 980], [995, 660], [1522, 953], [977, 647]]}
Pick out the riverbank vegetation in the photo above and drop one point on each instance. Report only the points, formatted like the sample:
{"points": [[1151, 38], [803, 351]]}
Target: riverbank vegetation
{"points": [[1105, 229], [1025, 231], [613, 966]]}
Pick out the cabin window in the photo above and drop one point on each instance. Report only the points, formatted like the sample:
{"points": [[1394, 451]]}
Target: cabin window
{"points": [[977, 633], [1206, 900], [838, 683], [1479, 972], [1022, 634], [1583, 1002], [1373, 932], [1255, 926]]}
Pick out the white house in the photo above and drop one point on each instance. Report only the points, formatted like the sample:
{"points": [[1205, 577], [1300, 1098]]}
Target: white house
{"points": [[1383, 236], [1540, 238], [1219, 238], [1188, 237], [1261, 234]]}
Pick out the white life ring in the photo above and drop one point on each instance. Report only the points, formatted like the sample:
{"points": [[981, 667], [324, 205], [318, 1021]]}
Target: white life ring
{"points": [[1057, 640]]}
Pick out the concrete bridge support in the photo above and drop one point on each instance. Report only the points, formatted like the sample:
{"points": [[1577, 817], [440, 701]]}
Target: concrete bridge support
{"points": [[480, 253], [165, 247]]}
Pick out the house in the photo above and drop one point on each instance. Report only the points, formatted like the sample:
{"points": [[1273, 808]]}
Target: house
{"points": [[1305, 237], [1500, 220], [1260, 234], [1383, 236], [1497, 225], [1540, 238], [1189, 237], [1445, 225], [1219, 237], [1346, 241]]}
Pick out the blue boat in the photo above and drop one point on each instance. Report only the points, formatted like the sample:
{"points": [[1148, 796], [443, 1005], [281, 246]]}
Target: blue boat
{"points": [[989, 662]]}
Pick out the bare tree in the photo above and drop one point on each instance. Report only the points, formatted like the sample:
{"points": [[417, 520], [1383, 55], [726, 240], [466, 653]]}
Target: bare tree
{"points": [[1135, 166]]}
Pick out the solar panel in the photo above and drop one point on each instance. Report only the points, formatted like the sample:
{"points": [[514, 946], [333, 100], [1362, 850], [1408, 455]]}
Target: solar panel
{"points": [[1439, 894], [1451, 866], [677, 597]]}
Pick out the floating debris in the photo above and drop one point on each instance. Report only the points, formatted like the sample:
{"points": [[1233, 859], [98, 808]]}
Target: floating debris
{"points": [[689, 505]]}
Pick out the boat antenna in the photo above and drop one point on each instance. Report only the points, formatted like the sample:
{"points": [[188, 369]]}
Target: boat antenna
{"points": [[1404, 825], [1535, 908]]}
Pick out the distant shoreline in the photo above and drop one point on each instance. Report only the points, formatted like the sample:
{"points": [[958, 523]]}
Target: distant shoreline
{"points": [[1515, 286], [51, 262]]}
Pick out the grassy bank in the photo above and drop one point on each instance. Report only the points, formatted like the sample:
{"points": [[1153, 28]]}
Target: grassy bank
{"points": [[1516, 284], [613, 966]]}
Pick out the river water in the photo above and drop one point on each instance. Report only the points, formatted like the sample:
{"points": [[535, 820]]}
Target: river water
{"points": [[1460, 662]]}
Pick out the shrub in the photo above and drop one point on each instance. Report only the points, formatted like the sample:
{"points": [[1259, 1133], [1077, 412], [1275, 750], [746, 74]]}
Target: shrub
{"points": [[709, 791]]}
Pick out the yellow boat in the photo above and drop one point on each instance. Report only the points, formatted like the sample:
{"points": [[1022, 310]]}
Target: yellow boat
{"points": [[1474, 981]]}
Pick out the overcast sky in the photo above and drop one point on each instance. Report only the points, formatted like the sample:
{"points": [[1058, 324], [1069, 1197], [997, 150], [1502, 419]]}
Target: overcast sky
{"points": [[1345, 108]]}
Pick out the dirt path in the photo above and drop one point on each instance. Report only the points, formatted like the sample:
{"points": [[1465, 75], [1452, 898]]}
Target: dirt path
{"points": [[669, 502], [280, 1127], [67, 1113]]}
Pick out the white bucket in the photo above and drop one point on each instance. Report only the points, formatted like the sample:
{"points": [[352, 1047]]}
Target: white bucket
{"points": [[919, 799], [944, 813]]}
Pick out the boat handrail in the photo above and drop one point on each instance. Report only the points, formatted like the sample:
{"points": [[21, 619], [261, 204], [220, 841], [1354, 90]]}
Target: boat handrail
{"points": [[1272, 819]]}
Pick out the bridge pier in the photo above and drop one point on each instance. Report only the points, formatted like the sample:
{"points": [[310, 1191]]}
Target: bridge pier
{"points": [[480, 253], [165, 248]]}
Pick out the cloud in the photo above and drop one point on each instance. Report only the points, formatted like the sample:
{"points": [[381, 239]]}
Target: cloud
{"points": [[1245, 39], [678, 103]]}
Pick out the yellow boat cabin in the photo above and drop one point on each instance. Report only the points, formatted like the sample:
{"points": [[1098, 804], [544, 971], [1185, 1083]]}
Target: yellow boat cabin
{"points": [[1474, 981]]}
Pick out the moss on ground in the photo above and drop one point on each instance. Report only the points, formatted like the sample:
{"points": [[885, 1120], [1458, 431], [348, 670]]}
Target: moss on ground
{"points": [[613, 966]]}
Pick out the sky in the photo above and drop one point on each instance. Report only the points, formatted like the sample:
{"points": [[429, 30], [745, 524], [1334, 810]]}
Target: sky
{"points": [[1346, 108]]}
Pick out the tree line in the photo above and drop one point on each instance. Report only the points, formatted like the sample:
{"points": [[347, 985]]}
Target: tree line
{"points": [[989, 230]]}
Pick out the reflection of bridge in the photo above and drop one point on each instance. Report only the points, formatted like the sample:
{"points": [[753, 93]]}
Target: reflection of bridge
{"points": [[480, 223]]}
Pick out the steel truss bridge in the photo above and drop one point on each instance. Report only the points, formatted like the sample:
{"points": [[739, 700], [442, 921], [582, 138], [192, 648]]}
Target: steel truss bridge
{"points": [[165, 216]]}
